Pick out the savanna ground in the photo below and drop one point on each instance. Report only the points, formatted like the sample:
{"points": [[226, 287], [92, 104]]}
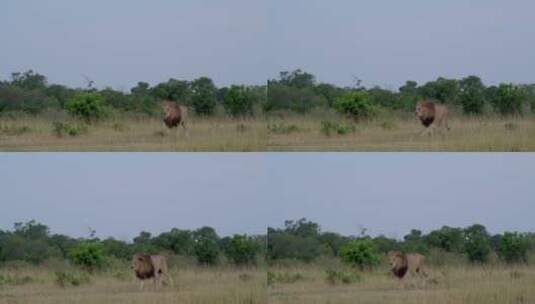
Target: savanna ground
{"points": [[193, 285], [275, 133], [444, 285]]}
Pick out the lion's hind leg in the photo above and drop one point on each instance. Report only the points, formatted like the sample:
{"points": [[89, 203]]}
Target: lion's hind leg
{"points": [[185, 128]]}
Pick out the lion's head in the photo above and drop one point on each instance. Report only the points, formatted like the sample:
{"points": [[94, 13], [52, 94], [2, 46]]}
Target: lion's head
{"points": [[142, 266], [174, 114], [398, 263], [425, 111]]}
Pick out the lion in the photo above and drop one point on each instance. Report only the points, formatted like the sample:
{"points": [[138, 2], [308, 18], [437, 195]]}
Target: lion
{"points": [[401, 264], [174, 114], [151, 267], [432, 115]]}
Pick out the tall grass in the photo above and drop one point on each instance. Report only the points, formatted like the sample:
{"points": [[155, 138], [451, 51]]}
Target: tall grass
{"points": [[193, 285], [317, 131], [497, 284]]}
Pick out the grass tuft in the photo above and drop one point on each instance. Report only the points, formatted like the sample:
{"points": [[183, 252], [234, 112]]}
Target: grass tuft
{"points": [[66, 279], [282, 128]]}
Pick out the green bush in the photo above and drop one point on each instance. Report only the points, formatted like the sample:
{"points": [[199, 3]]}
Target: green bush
{"points": [[513, 247], [241, 250], [203, 96], [87, 106], [477, 243], [237, 101], [472, 95], [16, 98], [206, 251], [360, 253], [295, 99], [63, 128], [66, 279], [88, 255], [334, 277], [508, 99], [357, 105], [329, 128]]}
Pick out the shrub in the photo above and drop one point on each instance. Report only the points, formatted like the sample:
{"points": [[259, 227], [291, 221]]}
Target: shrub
{"points": [[15, 280], [508, 99], [203, 96], [87, 106], [296, 99], [283, 277], [360, 253], [241, 249], [15, 98], [472, 95], [14, 131], [329, 128], [206, 251], [237, 101], [62, 128], [335, 277], [513, 247], [357, 105], [88, 255], [65, 279], [282, 128], [477, 243]]}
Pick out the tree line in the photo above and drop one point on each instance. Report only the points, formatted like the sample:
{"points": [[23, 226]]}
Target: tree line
{"points": [[299, 91], [33, 242], [295, 91], [303, 241], [30, 92]]}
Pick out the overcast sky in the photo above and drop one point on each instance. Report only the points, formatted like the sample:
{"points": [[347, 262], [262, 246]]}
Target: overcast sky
{"points": [[382, 42], [120, 194]]}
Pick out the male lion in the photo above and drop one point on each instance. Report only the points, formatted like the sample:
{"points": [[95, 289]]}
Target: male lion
{"points": [[402, 263], [432, 114], [150, 267], [174, 114]]}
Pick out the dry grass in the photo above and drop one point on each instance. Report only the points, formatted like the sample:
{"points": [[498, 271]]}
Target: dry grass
{"points": [[193, 286], [466, 134], [295, 133], [448, 285], [137, 135]]}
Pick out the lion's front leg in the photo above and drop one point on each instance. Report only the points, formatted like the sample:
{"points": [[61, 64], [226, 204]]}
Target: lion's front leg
{"points": [[427, 130], [156, 281], [423, 131]]}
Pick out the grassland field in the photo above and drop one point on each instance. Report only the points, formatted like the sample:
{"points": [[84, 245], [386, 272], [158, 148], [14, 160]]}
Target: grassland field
{"points": [[443, 285], [195, 285], [274, 133]]}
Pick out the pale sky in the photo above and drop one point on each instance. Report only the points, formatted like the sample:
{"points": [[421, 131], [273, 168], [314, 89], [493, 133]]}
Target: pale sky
{"points": [[120, 194], [383, 42]]}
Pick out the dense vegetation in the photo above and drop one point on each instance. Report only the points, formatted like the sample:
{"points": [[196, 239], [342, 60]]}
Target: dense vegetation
{"points": [[304, 241], [299, 91], [296, 91], [30, 92], [32, 242]]}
